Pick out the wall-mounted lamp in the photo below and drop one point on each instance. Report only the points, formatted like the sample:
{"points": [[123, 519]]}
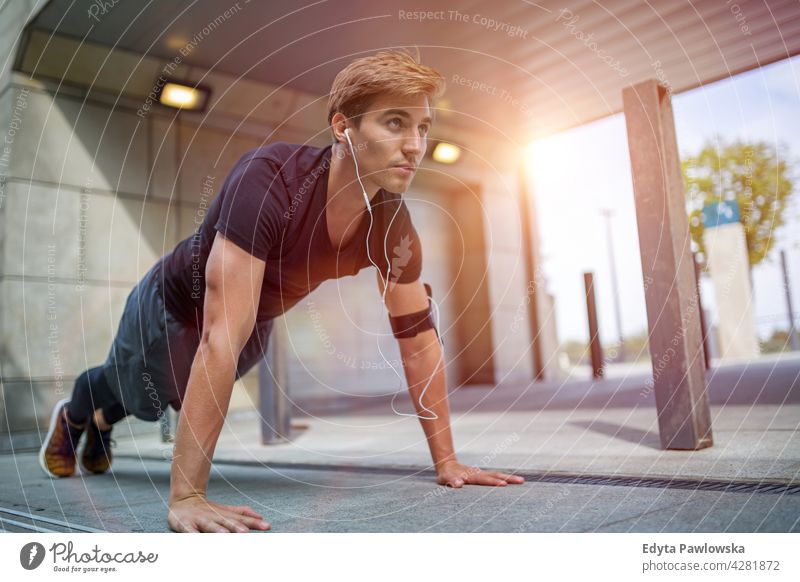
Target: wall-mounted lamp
{"points": [[183, 96], [446, 153]]}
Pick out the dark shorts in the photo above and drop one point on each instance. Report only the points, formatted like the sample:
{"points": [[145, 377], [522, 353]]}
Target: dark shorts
{"points": [[150, 359]]}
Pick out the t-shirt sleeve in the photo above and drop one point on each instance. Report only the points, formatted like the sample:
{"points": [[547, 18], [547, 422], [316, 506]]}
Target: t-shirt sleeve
{"points": [[403, 246], [252, 210]]}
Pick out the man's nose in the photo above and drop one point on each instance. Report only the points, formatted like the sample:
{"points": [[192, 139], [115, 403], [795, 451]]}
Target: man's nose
{"points": [[413, 145]]}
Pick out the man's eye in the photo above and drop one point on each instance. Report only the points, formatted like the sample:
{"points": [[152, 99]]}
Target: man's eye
{"points": [[396, 121], [424, 129]]}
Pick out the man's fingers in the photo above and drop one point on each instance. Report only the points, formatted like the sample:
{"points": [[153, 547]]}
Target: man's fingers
{"points": [[234, 524], [254, 522], [228, 516], [240, 518], [249, 511], [244, 510], [480, 478], [244, 523], [217, 523], [486, 479], [507, 477], [515, 479], [210, 526]]}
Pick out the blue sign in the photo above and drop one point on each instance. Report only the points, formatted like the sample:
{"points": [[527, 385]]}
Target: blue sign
{"points": [[719, 213]]}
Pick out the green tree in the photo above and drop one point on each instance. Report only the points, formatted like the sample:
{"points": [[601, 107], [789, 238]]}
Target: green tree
{"points": [[753, 174]]}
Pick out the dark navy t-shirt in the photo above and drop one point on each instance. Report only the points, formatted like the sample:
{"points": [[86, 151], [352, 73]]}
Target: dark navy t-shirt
{"points": [[272, 204]]}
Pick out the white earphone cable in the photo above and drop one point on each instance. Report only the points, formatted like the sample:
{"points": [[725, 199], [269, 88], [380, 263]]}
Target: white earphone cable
{"points": [[386, 287]]}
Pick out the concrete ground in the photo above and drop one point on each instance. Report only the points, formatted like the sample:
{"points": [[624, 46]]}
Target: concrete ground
{"points": [[589, 450]]}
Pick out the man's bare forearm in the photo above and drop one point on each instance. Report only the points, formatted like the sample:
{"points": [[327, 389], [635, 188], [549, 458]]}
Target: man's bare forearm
{"points": [[202, 415], [437, 430]]}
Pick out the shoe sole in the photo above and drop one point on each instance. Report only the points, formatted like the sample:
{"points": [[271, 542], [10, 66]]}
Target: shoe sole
{"points": [[53, 423]]}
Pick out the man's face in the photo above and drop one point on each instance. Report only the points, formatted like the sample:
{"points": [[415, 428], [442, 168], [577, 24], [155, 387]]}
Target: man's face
{"points": [[391, 141]]}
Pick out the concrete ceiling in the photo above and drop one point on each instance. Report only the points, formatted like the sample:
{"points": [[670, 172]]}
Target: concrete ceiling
{"points": [[544, 67]]}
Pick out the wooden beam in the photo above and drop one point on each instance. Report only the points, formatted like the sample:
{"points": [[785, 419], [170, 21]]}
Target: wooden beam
{"points": [[673, 315]]}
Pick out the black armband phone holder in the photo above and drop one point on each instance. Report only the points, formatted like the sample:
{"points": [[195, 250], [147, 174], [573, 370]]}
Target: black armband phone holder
{"points": [[409, 325]]}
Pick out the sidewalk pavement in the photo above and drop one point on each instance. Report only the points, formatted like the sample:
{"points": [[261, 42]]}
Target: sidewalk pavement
{"points": [[589, 450]]}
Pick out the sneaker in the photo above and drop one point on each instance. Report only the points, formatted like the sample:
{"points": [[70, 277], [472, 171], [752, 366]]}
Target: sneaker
{"points": [[58, 452], [96, 457]]}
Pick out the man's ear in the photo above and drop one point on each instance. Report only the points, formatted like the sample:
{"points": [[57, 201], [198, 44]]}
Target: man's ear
{"points": [[338, 125]]}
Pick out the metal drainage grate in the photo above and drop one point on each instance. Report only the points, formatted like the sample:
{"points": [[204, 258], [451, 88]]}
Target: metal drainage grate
{"points": [[12, 520], [662, 483]]}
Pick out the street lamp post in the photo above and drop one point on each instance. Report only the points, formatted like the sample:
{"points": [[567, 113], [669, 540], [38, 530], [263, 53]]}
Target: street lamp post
{"points": [[787, 289], [607, 214]]}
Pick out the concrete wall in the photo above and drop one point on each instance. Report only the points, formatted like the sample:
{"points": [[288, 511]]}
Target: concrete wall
{"points": [[90, 205], [728, 264], [95, 192]]}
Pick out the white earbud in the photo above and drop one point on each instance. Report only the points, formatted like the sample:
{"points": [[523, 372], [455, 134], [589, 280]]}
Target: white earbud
{"points": [[353, 151]]}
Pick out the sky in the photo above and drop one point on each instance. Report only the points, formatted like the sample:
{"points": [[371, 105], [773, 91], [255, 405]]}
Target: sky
{"points": [[579, 171]]}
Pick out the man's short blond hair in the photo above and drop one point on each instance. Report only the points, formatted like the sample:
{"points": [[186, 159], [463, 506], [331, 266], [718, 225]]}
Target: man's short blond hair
{"points": [[392, 72]]}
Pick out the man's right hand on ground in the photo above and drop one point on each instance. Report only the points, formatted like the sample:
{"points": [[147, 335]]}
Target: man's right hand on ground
{"points": [[198, 514]]}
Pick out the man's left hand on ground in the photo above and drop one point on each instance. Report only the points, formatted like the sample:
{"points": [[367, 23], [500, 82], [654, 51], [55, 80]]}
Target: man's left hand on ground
{"points": [[456, 475]]}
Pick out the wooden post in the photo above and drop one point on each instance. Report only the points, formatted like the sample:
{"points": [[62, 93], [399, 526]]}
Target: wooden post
{"points": [[676, 348], [595, 347]]}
